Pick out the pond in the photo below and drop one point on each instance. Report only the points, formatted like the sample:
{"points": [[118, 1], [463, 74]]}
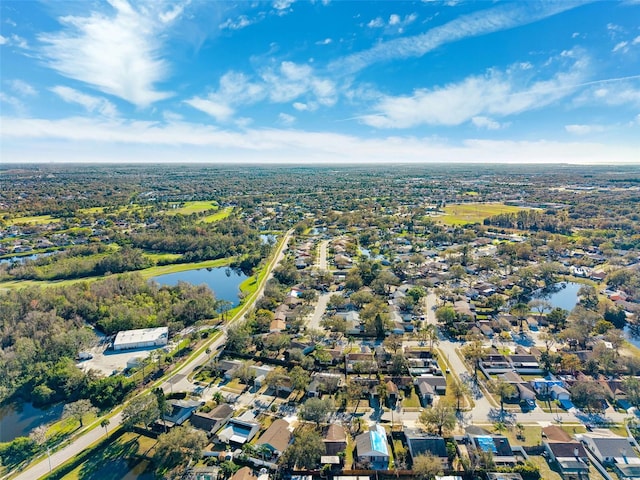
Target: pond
{"points": [[632, 334], [562, 295], [18, 420], [224, 282], [23, 258]]}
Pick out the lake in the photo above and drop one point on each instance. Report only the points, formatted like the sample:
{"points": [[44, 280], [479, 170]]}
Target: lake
{"points": [[18, 420], [224, 282], [567, 298], [563, 295], [23, 258]]}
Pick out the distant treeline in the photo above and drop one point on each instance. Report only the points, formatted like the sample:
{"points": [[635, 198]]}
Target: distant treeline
{"points": [[530, 220]]}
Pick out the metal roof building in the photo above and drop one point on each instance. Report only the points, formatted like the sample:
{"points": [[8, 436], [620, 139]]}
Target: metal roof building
{"points": [[141, 338]]}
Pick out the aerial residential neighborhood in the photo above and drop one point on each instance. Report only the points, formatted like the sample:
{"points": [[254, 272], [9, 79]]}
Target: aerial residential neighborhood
{"points": [[434, 345]]}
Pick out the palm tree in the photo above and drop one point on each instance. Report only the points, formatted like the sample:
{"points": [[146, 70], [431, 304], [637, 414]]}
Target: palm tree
{"points": [[459, 390], [104, 423], [431, 335]]}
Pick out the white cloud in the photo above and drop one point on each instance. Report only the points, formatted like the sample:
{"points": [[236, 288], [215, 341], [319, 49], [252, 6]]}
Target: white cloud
{"points": [[301, 107], [495, 19], [623, 93], [170, 15], [636, 40], [282, 6], [14, 40], [285, 83], [395, 24], [89, 102], [485, 122], [220, 111], [119, 53], [584, 129], [327, 41], [493, 94], [112, 140], [621, 46], [22, 87], [239, 23], [286, 119]]}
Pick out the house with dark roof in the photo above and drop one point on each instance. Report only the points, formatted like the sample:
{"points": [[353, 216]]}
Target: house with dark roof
{"points": [[179, 412], [498, 445], [571, 458], [214, 420], [372, 449], [335, 439], [420, 443], [276, 438]]}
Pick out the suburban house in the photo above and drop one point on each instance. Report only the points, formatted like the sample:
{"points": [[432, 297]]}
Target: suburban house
{"points": [[239, 431], [360, 362], [335, 439], [569, 454], [372, 449], [615, 451], [429, 386], [276, 438], [420, 443], [179, 412], [498, 445], [214, 420]]}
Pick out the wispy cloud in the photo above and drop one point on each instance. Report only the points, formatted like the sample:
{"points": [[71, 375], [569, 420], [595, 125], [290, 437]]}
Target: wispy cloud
{"points": [[327, 41], [90, 103], [494, 19], [23, 88], [494, 94], [14, 40], [485, 122], [237, 23], [119, 52], [584, 129], [286, 119]]}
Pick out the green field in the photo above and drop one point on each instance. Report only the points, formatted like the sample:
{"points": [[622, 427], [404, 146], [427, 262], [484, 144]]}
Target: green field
{"points": [[188, 208], [181, 267], [35, 220], [474, 212], [219, 215]]}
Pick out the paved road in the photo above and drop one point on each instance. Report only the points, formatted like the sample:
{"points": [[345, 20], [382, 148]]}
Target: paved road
{"points": [[322, 255], [321, 307], [180, 383]]}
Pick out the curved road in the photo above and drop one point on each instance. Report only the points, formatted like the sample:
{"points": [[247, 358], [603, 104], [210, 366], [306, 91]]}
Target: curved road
{"points": [[84, 440]]}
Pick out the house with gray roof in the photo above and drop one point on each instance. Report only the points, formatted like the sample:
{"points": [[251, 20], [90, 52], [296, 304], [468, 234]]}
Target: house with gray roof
{"points": [[420, 443], [211, 422], [372, 449]]}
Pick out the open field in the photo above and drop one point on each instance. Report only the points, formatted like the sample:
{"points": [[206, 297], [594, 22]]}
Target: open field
{"points": [[35, 220], [188, 208], [473, 212], [219, 215]]}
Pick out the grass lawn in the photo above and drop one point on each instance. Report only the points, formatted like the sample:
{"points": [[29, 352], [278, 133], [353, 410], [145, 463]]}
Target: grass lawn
{"points": [[473, 212], [188, 208], [532, 435], [35, 220], [411, 402], [219, 215], [545, 470], [157, 257]]}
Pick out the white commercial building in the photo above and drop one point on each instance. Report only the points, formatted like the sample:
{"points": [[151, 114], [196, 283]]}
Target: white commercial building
{"points": [[141, 338]]}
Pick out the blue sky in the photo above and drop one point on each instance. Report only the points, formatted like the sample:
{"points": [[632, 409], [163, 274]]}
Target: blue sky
{"points": [[320, 81]]}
